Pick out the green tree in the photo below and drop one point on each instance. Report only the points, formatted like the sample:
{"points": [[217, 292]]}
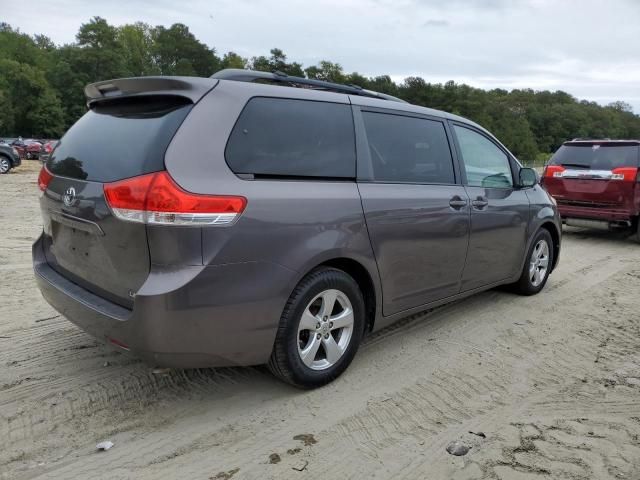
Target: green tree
{"points": [[277, 62], [68, 79], [36, 108], [327, 71], [20, 47], [102, 55], [176, 51], [233, 60], [136, 41], [7, 119]]}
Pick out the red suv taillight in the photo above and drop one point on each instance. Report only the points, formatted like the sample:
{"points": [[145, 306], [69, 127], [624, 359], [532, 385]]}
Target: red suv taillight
{"points": [[624, 173], [44, 178], [553, 171], [156, 199]]}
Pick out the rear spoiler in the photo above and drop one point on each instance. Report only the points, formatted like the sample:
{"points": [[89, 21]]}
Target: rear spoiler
{"points": [[192, 88]]}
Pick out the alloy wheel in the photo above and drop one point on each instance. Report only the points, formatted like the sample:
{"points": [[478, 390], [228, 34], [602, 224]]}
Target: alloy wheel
{"points": [[325, 329], [539, 263]]}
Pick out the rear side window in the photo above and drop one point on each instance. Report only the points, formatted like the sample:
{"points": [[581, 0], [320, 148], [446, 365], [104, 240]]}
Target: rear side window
{"points": [[119, 139], [408, 149], [293, 138], [596, 156]]}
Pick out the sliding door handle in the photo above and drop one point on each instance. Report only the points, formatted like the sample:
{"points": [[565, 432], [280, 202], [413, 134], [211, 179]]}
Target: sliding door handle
{"points": [[457, 203]]}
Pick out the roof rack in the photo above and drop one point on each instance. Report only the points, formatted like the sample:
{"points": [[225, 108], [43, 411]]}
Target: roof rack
{"points": [[240, 75]]}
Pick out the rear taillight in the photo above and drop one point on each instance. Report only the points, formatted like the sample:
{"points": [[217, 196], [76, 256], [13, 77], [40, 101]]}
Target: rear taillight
{"points": [[157, 199], [624, 173], [553, 171], [44, 178]]}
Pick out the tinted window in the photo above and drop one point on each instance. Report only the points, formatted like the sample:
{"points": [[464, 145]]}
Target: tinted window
{"points": [[485, 164], [596, 156], [408, 149], [297, 138], [119, 139]]}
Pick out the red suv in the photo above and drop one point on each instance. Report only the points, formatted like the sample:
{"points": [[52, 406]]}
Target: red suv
{"points": [[596, 183]]}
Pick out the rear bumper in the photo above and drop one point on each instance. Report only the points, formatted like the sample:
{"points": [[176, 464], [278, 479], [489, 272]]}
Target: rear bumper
{"points": [[220, 316], [605, 214]]}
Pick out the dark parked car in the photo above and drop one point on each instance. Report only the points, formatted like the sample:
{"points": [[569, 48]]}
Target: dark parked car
{"points": [[309, 216], [597, 183], [9, 158]]}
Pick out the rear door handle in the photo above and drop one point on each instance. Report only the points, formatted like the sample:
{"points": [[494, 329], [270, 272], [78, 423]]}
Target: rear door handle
{"points": [[457, 203], [479, 203]]}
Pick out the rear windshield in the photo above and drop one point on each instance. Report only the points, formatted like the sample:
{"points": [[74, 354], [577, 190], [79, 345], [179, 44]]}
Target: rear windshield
{"points": [[119, 139], [596, 156]]}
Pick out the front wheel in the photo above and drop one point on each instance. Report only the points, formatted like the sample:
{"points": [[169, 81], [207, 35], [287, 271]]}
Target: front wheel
{"points": [[538, 265], [5, 165], [320, 329]]}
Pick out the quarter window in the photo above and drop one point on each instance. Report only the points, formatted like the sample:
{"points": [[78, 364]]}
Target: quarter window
{"points": [[485, 164], [293, 138], [408, 149]]}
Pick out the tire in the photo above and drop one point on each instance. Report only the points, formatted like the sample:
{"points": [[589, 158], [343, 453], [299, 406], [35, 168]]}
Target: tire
{"points": [[636, 236], [314, 356], [29, 156], [5, 164], [540, 260]]}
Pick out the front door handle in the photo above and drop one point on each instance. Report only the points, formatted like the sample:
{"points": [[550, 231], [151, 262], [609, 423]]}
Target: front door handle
{"points": [[457, 203], [479, 203]]}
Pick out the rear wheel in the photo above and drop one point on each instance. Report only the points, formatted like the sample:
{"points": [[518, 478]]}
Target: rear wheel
{"points": [[320, 329], [636, 234], [538, 265], [5, 165]]}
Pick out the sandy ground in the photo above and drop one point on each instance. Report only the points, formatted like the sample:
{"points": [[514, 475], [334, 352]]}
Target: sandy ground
{"points": [[551, 382]]}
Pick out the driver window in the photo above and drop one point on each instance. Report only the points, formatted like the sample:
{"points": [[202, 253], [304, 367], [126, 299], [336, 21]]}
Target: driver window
{"points": [[485, 164]]}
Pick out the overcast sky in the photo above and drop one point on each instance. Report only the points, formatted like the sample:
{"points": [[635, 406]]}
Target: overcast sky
{"points": [[588, 48]]}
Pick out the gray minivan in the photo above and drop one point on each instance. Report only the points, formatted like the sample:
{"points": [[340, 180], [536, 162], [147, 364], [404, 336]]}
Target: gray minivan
{"points": [[253, 218]]}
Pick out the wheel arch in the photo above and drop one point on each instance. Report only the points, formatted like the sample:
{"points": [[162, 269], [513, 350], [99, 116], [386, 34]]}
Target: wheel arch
{"points": [[362, 277]]}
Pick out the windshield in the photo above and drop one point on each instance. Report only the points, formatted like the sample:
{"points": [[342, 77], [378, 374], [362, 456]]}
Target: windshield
{"points": [[596, 156]]}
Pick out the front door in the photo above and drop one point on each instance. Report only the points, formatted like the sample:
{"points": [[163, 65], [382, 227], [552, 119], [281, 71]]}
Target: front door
{"points": [[499, 211]]}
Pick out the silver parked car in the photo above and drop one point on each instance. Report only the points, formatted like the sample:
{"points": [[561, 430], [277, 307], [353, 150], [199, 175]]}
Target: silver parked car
{"points": [[255, 218]]}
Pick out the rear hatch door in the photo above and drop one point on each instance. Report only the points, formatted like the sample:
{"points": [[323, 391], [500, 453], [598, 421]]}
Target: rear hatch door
{"points": [[116, 139], [594, 174]]}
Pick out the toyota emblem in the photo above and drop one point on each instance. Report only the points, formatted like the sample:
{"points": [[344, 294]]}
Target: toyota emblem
{"points": [[69, 196]]}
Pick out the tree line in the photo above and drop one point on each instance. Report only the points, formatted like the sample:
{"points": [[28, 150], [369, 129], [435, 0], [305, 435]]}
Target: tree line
{"points": [[41, 85]]}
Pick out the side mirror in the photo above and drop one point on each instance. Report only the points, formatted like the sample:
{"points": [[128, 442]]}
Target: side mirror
{"points": [[528, 177]]}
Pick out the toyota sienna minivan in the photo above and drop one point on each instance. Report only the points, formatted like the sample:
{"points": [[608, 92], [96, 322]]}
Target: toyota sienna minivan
{"points": [[253, 218], [597, 183]]}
